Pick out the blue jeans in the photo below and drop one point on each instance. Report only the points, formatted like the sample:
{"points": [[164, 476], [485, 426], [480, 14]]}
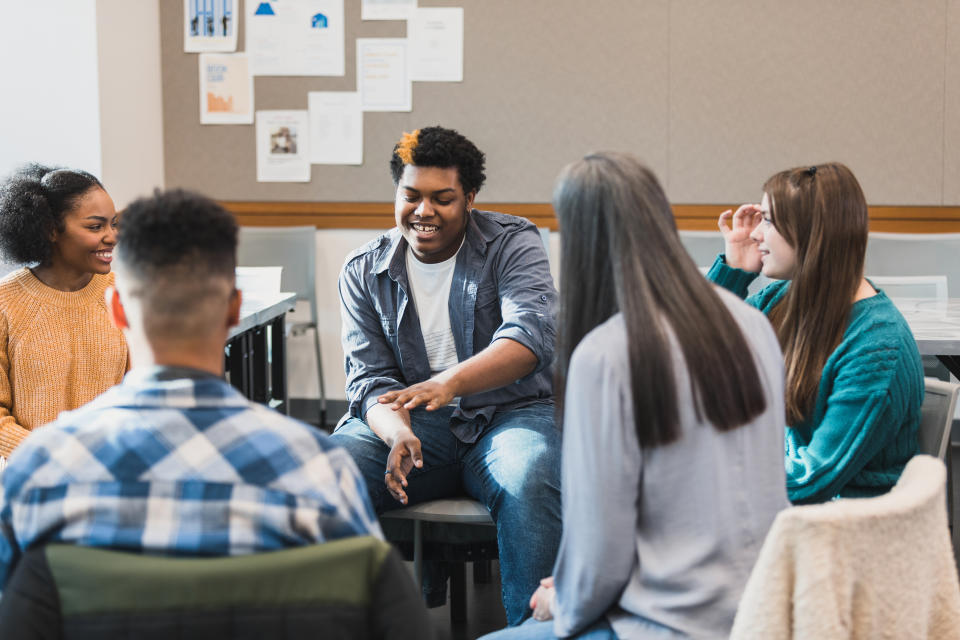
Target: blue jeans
{"points": [[534, 630], [513, 468]]}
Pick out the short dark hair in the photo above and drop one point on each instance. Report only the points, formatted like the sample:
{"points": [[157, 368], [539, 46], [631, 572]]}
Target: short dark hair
{"points": [[33, 202], [439, 147], [177, 254], [177, 228]]}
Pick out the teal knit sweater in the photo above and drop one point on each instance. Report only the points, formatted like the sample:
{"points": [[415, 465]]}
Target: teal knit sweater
{"points": [[863, 428]]}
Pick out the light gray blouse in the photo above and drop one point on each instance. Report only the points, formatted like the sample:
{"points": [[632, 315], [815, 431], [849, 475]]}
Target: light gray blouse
{"points": [[666, 535]]}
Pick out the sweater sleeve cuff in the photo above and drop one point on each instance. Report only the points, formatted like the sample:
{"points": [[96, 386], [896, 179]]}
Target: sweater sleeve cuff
{"points": [[730, 278], [10, 436]]}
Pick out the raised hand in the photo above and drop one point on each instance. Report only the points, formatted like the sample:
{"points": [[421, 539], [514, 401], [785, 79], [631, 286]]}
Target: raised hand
{"points": [[740, 248]]}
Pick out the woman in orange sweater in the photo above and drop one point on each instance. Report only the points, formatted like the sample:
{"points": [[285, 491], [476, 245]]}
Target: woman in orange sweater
{"points": [[58, 349]]}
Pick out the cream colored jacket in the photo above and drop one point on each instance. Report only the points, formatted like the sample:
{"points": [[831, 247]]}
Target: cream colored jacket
{"points": [[858, 568]]}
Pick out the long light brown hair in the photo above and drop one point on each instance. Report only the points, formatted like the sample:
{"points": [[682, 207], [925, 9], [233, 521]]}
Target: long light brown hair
{"points": [[822, 213], [621, 253]]}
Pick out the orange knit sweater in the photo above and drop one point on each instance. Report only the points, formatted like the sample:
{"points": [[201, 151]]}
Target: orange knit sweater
{"points": [[58, 351]]}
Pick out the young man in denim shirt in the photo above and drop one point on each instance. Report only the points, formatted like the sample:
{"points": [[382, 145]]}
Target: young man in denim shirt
{"points": [[448, 331]]}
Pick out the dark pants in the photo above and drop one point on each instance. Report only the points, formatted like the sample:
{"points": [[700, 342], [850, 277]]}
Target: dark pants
{"points": [[513, 468]]}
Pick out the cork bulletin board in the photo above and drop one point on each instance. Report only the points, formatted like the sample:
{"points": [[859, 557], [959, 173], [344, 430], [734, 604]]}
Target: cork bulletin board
{"points": [[715, 97]]}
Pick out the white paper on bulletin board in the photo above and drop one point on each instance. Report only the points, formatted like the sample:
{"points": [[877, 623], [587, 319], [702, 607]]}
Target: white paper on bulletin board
{"points": [[436, 44], [386, 9], [226, 89], [336, 127], [382, 76], [283, 140], [295, 37], [210, 25]]}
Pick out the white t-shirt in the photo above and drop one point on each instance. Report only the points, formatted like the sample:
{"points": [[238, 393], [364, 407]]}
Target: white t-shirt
{"points": [[430, 291]]}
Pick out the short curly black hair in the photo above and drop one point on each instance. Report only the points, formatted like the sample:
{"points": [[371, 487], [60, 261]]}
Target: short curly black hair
{"points": [[444, 148], [33, 202], [177, 229]]}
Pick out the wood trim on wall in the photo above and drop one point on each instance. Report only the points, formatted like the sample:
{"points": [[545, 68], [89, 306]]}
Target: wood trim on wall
{"points": [[690, 217]]}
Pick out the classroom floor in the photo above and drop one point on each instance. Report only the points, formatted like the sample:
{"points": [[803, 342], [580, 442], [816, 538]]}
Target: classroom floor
{"points": [[484, 610]]}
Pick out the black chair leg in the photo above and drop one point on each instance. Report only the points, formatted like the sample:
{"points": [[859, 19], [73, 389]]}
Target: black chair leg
{"points": [[482, 571], [458, 592]]}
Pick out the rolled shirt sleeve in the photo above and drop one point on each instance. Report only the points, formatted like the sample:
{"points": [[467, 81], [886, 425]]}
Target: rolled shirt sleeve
{"points": [[528, 298]]}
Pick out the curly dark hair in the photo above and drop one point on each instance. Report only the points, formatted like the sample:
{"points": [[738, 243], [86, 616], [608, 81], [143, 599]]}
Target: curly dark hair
{"points": [[177, 228], [444, 148], [33, 202]]}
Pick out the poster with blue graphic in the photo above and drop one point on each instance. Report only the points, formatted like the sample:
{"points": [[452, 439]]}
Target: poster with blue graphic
{"points": [[210, 25], [295, 37]]}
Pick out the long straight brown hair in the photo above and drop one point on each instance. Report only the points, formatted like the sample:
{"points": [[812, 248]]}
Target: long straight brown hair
{"points": [[621, 253], [822, 213]]}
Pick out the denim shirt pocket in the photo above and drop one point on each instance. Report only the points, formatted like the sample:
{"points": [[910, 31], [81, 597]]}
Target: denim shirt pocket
{"points": [[389, 325]]}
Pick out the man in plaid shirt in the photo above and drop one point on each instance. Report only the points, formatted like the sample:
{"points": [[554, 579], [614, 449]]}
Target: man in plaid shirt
{"points": [[174, 460]]}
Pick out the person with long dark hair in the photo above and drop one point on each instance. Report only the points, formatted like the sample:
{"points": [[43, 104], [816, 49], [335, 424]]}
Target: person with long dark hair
{"points": [[59, 349], [672, 403], [854, 378]]}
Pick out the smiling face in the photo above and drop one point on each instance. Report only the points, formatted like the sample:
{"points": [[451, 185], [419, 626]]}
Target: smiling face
{"points": [[85, 245], [431, 211], [778, 257]]}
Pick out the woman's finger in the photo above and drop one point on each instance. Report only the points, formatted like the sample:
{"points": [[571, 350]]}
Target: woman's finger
{"points": [[722, 221], [745, 216]]}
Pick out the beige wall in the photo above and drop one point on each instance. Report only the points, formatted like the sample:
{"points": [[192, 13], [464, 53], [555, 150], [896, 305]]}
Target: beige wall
{"points": [[951, 101], [759, 86], [131, 108]]}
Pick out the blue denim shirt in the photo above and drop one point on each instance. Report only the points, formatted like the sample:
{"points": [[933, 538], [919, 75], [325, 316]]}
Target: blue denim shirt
{"points": [[502, 288]]}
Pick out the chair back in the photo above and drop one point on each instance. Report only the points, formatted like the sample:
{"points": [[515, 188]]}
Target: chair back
{"points": [[703, 246], [348, 588], [936, 416], [915, 254], [934, 287], [858, 567], [293, 248]]}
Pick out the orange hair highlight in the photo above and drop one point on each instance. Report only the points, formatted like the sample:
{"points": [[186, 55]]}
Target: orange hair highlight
{"points": [[406, 146]]}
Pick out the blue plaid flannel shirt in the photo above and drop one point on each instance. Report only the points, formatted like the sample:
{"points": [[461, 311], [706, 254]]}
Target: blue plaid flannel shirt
{"points": [[183, 466]]}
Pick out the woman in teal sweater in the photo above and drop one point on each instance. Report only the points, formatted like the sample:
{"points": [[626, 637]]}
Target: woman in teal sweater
{"points": [[854, 379]]}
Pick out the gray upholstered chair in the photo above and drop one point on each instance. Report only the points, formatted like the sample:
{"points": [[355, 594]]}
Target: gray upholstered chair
{"points": [[293, 248], [349, 588]]}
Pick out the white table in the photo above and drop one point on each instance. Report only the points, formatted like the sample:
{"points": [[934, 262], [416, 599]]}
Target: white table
{"points": [[936, 327], [254, 353]]}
